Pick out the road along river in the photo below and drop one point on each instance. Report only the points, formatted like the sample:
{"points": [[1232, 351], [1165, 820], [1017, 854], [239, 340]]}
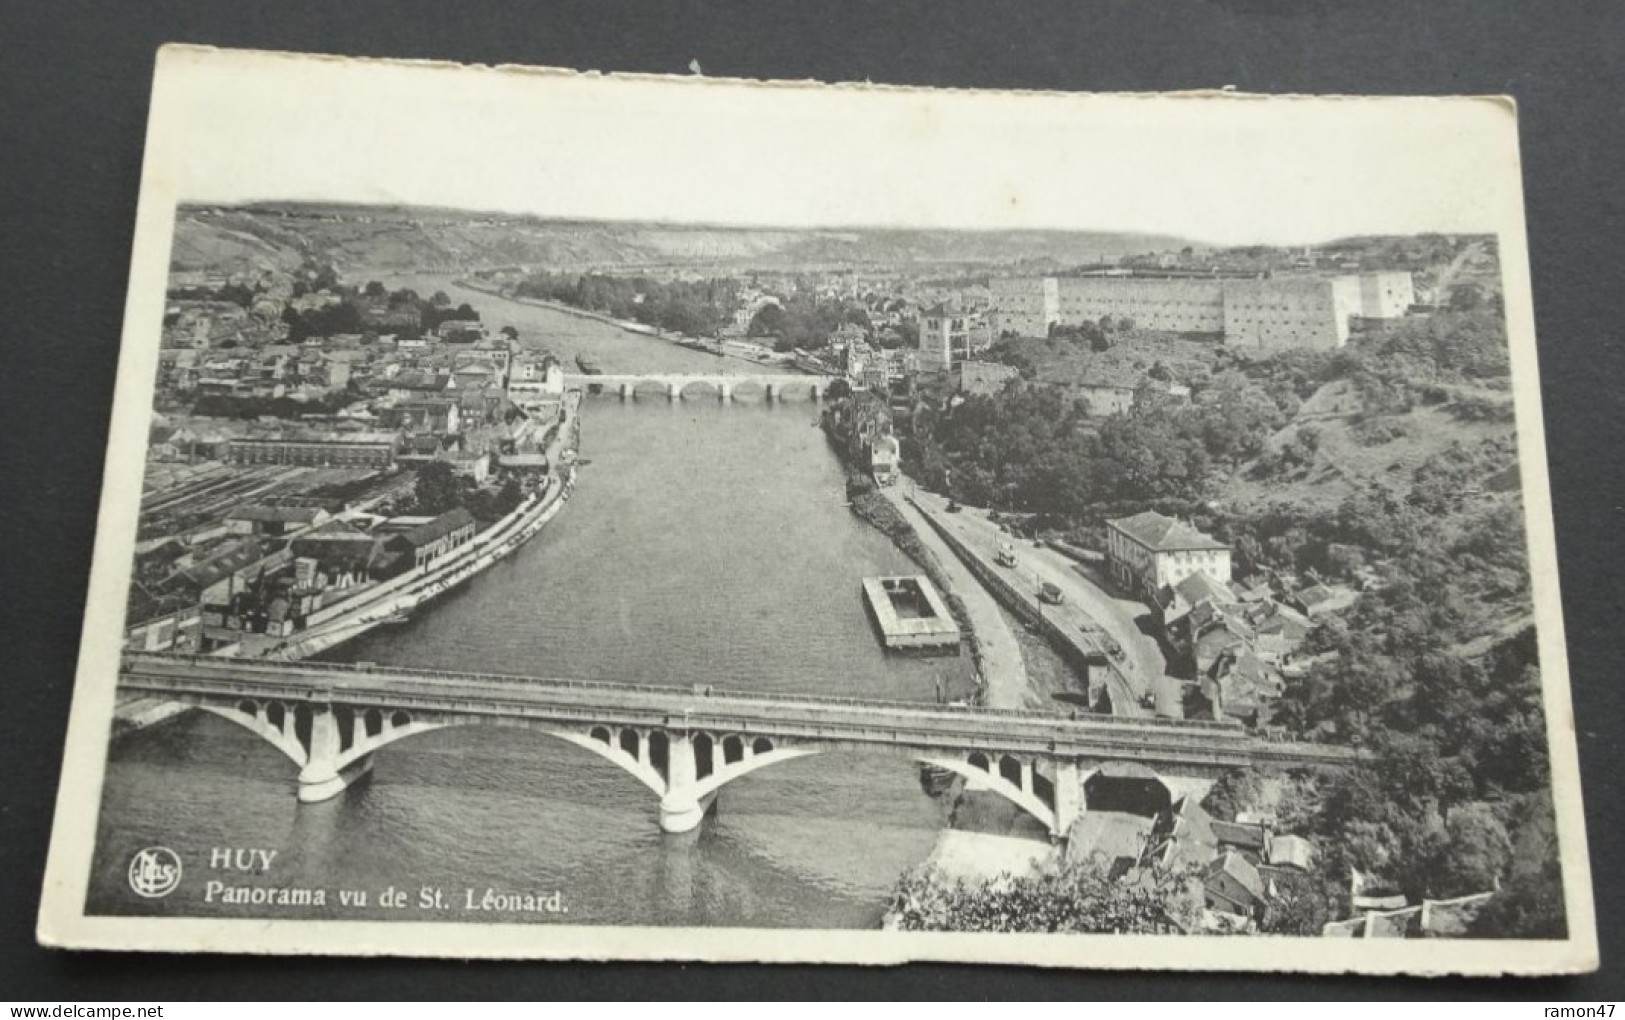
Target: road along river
{"points": [[705, 543]]}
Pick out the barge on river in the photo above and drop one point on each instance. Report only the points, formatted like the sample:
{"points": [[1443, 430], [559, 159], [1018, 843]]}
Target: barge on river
{"points": [[911, 614]]}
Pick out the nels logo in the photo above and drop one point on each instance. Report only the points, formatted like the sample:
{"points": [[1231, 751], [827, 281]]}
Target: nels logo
{"points": [[155, 872]]}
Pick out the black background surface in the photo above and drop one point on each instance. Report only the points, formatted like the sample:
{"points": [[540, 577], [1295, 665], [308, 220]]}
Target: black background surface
{"points": [[74, 80]]}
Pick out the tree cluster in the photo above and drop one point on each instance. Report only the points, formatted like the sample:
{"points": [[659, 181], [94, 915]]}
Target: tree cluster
{"points": [[1095, 336], [410, 314], [696, 308], [1070, 896], [249, 408], [438, 489], [1034, 448], [806, 321]]}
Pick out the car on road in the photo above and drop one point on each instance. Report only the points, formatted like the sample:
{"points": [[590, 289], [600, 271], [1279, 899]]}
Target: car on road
{"points": [[1006, 555], [953, 507], [1051, 594]]}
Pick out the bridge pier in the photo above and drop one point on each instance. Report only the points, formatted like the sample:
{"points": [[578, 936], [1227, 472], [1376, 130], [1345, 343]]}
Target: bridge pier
{"points": [[725, 392], [323, 777], [681, 807], [674, 391], [1069, 805], [626, 391], [772, 392]]}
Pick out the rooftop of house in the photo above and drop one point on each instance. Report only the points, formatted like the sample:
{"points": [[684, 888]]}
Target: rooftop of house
{"points": [[1455, 916], [1252, 589], [238, 556], [1315, 594], [145, 604], [1163, 534], [1216, 632], [1294, 851], [1202, 586], [353, 552], [1449, 918], [333, 531], [359, 437], [1246, 681], [261, 513], [1393, 924], [418, 379], [420, 404], [1353, 928], [426, 444], [1239, 834], [1183, 834], [438, 528], [1238, 868], [1107, 836]]}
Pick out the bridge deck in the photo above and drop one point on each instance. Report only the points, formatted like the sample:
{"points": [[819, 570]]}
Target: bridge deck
{"points": [[701, 708]]}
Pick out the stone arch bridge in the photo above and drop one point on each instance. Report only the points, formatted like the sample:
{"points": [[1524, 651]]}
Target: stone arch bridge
{"points": [[675, 386], [685, 744]]}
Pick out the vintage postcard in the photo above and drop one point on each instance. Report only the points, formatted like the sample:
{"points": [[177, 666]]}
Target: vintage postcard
{"points": [[563, 515]]}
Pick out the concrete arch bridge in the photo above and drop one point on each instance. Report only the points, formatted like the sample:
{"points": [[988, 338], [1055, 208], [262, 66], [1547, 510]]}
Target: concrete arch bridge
{"points": [[685, 744], [721, 387]]}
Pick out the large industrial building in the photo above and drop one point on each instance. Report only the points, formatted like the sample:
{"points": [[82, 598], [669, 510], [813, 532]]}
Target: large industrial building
{"points": [[1272, 313]]}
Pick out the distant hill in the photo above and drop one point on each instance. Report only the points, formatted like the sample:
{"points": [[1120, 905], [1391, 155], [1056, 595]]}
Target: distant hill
{"points": [[246, 238]]}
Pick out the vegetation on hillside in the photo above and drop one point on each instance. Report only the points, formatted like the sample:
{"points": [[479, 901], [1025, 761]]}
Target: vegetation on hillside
{"points": [[1457, 766], [256, 237]]}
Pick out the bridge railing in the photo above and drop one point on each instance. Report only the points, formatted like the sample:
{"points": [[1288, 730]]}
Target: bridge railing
{"points": [[668, 690], [1186, 747]]}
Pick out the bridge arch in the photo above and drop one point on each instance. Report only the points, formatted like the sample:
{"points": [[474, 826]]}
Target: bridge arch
{"points": [[651, 386], [799, 388], [1031, 791], [1035, 799], [690, 389], [255, 717], [748, 389], [335, 745]]}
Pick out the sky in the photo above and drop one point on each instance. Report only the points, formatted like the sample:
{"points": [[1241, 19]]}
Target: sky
{"points": [[232, 127]]}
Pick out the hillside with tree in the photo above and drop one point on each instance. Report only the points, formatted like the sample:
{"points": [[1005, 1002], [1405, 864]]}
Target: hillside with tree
{"points": [[356, 238], [1390, 464]]}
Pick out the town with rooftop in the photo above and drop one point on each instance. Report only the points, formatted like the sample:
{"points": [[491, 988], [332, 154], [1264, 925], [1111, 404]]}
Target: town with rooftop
{"points": [[1264, 492]]}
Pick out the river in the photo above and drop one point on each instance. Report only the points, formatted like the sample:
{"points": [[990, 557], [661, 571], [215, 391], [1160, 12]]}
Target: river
{"points": [[705, 543]]}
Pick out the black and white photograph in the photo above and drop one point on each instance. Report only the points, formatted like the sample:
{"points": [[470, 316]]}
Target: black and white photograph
{"points": [[557, 515]]}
